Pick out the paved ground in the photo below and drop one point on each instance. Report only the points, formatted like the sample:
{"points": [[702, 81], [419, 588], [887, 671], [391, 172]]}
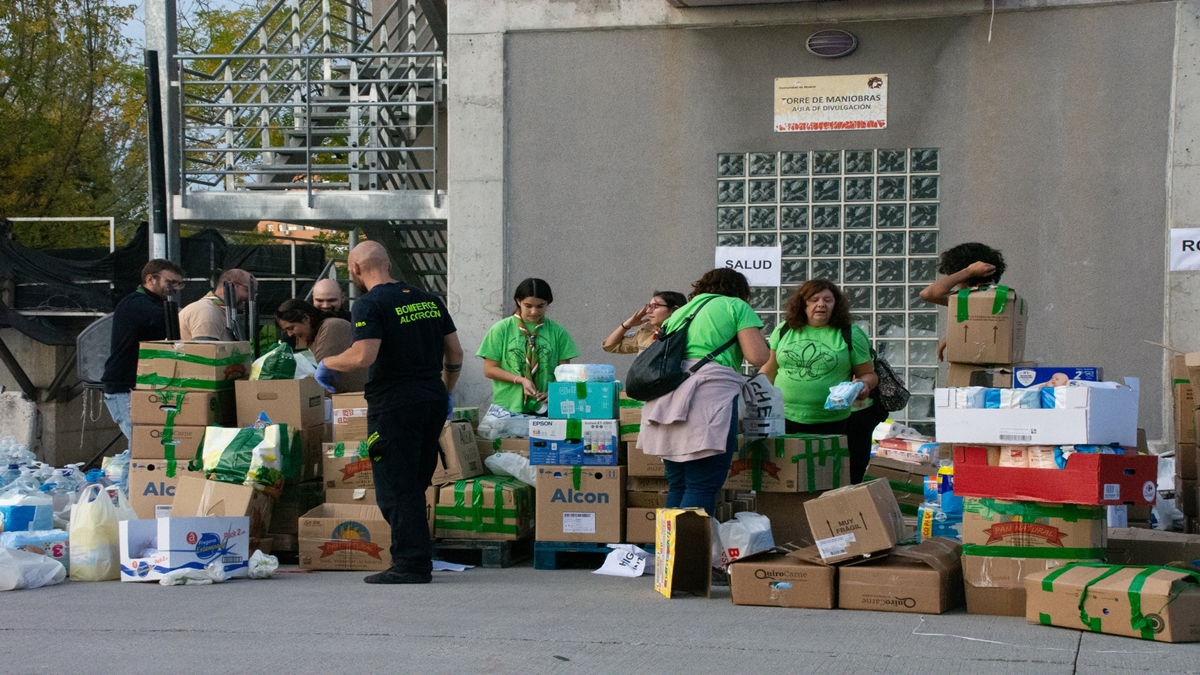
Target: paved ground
{"points": [[519, 620]]}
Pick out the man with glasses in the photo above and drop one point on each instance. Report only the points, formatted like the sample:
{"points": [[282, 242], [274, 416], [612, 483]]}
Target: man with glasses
{"points": [[204, 319], [138, 318]]}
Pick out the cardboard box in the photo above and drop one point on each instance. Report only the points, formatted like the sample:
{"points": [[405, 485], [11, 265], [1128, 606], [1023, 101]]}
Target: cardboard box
{"points": [[1106, 480], [639, 525], [1093, 416], [1184, 401], [467, 414], [995, 586], [1185, 460], [1025, 377], [349, 417], [504, 511], [994, 527], [152, 485], [907, 480], [208, 365], [300, 404], [683, 552], [308, 443], [646, 500], [458, 455], [577, 503], [180, 443], [582, 400], [1156, 604], [351, 496], [295, 501], [1185, 497], [925, 579], [345, 537], [979, 375], [641, 464], [791, 463], [630, 416], [990, 330], [519, 446], [179, 543], [1134, 546], [855, 521], [195, 496], [782, 579], [181, 407], [346, 466], [785, 510], [571, 442]]}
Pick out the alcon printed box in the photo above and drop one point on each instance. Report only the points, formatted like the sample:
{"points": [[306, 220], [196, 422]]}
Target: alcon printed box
{"points": [[580, 503]]}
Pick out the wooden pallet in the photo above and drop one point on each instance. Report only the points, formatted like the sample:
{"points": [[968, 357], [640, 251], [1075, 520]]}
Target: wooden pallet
{"points": [[488, 553], [559, 555]]}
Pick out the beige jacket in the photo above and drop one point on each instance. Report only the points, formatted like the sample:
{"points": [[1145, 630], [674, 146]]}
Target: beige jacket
{"points": [[693, 421]]}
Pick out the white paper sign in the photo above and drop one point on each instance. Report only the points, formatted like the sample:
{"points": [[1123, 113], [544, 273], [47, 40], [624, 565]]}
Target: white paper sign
{"points": [[1185, 249], [760, 264]]}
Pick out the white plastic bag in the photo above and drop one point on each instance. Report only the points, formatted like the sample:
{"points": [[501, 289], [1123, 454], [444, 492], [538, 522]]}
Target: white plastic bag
{"points": [[213, 573], [762, 408], [263, 566], [95, 539], [748, 533], [500, 423], [512, 464], [22, 569]]}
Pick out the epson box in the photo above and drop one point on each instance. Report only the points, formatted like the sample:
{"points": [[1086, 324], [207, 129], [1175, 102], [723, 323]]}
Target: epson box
{"points": [[152, 548], [574, 442]]}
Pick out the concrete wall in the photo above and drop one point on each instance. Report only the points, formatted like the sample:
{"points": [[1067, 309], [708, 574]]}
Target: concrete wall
{"points": [[1054, 140]]}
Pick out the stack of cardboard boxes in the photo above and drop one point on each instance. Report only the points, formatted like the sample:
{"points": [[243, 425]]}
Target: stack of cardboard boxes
{"points": [[580, 464], [646, 485], [985, 337]]}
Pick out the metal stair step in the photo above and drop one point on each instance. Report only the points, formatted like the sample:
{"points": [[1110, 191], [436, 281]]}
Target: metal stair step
{"points": [[262, 187]]}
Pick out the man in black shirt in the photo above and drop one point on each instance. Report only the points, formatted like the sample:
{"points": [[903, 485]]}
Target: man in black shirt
{"points": [[137, 318], [409, 341]]}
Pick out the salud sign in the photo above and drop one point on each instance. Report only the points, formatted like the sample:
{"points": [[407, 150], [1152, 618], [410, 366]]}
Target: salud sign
{"points": [[1185, 249], [832, 103], [760, 264]]}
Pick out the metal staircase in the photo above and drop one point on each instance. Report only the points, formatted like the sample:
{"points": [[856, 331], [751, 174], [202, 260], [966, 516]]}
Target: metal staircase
{"points": [[327, 113]]}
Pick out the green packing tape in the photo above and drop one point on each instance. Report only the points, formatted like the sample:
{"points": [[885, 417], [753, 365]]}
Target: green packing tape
{"points": [[963, 312], [819, 456], [988, 508], [757, 451], [574, 429], [156, 380], [630, 403], [1044, 619], [630, 429], [908, 509], [1178, 381], [364, 449], [576, 476], [581, 390], [1001, 300], [339, 451], [471, 518], [1137, 620], [169, 455], [897, 486], [496, 444], [1039, 552], [191, 358]]}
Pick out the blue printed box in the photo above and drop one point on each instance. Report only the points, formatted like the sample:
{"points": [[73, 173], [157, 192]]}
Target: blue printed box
{"points": [[583, 400], [1054, 376], [574, 442]]}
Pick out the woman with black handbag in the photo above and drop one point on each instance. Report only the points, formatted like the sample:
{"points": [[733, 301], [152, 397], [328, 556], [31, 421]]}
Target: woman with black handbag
{"points": [[814, 348], [693, 425]]}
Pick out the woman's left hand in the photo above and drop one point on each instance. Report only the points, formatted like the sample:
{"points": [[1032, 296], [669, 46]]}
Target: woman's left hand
{"points": [[866, 390]]}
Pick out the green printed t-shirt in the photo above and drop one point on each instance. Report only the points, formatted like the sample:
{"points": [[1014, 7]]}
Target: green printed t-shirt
{"points": [[811, 360], [505, 343], [717, 322]]}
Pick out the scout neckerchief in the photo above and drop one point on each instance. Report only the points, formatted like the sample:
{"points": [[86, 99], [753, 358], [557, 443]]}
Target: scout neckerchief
{"points": [[216, 299], [530, 404]]}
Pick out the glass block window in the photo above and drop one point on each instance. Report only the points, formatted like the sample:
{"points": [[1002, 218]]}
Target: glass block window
{"points": [[866, 219]]}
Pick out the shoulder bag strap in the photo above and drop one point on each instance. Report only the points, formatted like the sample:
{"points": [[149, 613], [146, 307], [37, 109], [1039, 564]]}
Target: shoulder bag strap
{"points": [[713, 355], [688, 321], [848, 339]]}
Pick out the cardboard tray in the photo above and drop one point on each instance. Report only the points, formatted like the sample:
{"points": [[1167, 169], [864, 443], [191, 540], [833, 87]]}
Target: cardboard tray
{"points": [[1108, 480]]}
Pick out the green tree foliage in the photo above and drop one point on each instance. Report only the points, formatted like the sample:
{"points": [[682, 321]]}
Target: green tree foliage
{"points": [[71, 116]]}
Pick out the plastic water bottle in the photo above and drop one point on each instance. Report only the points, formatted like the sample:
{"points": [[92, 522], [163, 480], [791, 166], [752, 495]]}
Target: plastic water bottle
{"points": [[97, 476], [10, 474], [117, 471]]}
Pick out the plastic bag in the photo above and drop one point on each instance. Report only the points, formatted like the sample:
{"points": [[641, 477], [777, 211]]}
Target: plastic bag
{"points": [[263, 566], [842, 395], [116, 469], [53, 544], [512, 464], [95, 540], [762, 408], [585, 372], [746, 534], [213, 573], [281, 363], [22, 569], [500, 423], [247, 456]]}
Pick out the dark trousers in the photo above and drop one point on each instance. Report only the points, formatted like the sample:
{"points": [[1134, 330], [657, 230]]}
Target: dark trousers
{"points": [[696, 483], [857, 431], [404, 456]]}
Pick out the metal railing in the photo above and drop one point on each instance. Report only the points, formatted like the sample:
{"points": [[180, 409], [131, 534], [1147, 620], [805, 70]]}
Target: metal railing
{"points": [[320, 95]]}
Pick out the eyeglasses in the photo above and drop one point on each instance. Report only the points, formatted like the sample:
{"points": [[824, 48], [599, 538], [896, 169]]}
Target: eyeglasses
{"points": [[172, 284], [657, 304]]}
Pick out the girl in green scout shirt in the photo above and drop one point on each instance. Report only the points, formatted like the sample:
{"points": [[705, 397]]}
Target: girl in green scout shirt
{"points": [[520, 352]]}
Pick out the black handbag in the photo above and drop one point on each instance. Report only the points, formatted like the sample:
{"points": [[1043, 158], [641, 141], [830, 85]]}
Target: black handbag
{"points": [[890, 393], [659, 370]]}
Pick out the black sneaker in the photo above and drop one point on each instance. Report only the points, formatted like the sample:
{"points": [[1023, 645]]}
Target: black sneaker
{"points": [[393, 577]]}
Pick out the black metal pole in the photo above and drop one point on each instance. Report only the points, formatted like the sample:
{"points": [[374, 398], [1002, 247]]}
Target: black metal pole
{"points": [[156, 155]]}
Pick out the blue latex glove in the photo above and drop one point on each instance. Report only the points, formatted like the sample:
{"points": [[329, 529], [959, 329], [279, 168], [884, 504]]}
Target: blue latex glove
{"points": [[325, 377], [450, 406]]}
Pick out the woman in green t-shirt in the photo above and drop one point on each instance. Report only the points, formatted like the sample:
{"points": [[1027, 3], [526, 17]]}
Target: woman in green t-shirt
{"points": [[520, 352], [809, 355]]}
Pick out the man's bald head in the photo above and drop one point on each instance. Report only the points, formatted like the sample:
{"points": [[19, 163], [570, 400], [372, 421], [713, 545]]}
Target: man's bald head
{"points": [[327, 296], [241, 280], [369, 265]]}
